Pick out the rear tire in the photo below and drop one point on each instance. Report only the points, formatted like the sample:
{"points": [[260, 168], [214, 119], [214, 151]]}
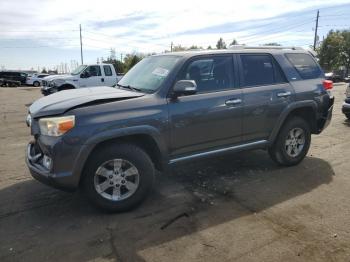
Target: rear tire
{"points": [[36, 84], [292, 142], [110, 181]]}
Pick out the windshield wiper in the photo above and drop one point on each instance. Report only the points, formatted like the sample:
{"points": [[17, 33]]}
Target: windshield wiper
{"points": [[130, 88]]}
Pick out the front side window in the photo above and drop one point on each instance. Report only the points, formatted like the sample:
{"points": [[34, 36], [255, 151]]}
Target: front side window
{"points": [[305, 65], [107, 69], [148, 75], [94, 70], [210, 73], [260, 69]]}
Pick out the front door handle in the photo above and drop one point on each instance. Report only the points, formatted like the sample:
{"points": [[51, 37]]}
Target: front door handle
{"points": [[102, 79], [284, 94], [233, 102]]}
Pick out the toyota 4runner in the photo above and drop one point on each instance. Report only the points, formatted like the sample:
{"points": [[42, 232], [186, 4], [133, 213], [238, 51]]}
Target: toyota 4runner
{"points": [[177, 107]]}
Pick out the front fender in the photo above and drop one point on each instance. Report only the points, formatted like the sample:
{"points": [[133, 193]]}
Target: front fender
{"points": [[93, 141], [286, 112]]}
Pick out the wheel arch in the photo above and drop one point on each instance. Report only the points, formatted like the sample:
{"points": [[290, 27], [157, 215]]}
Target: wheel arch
{"points": [[66, 87], [148, 140], [305, 109]]}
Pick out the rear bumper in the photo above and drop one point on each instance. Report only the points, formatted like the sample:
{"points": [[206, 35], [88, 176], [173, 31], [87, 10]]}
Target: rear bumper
{"points": [[326, 117]]}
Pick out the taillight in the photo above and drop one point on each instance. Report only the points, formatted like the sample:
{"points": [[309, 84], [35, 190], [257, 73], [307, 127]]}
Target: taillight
{"points": [[327, 84]]}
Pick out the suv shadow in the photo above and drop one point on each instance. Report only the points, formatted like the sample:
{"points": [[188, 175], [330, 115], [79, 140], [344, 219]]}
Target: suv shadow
{"points": [[203, 195]]}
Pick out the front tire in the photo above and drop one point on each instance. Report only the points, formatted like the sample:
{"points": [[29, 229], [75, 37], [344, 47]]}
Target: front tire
{"points": [[36, 84], [119, 177], [347, 116], [292, 142]]}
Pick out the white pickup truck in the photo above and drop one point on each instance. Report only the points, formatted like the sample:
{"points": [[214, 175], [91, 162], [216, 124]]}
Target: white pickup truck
{"points": [[82, 76]]}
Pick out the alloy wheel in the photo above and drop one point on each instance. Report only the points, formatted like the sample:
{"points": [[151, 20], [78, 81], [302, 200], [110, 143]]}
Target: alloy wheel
{"points": [[116, 179]]}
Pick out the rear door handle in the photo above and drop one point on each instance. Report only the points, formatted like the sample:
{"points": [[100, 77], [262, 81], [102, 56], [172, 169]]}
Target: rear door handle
{"points": [[232, 102], [284, 94]]}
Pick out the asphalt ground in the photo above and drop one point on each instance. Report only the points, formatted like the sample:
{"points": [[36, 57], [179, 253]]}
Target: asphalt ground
{"points": [[238, 207]]}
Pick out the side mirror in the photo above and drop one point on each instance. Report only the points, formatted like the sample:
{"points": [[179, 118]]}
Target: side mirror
{"points": [[85, 74], [185, 87]]}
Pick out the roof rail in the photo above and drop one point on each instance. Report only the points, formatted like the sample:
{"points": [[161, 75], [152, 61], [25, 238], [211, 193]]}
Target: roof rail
{"points": [[265, 47]]}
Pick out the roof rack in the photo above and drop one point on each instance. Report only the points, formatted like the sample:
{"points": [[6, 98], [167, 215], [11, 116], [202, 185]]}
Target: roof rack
{"points": [[238, 47]]}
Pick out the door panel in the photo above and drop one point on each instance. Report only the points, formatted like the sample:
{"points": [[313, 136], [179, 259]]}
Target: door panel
{"points": [[212, 117], [108, 77], [95, 78], [265, 94], [261, 109]]}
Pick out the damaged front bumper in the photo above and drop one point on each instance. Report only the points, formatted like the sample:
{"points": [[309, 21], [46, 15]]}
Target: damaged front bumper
{"points": [[35, 158]]}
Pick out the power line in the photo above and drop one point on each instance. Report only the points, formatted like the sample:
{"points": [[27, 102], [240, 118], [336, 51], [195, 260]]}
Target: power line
{"points": [[36, 31]]}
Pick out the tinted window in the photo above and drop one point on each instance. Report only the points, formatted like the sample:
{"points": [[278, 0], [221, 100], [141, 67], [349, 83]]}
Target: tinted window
{"points": [[41, 76], [305, 65], [108, 70], [260, 70], [94, 70], [210, 74]]}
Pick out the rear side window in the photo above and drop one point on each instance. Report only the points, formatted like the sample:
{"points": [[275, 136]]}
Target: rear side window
{"points": [[260, 69], [305, 65], [108, 70]]}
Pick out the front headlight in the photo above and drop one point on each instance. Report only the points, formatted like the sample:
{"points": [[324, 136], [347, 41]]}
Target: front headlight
{"points": [[56, 126]]}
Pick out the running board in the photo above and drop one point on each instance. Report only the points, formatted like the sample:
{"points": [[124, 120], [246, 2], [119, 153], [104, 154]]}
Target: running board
{"points": [[252, 145]]}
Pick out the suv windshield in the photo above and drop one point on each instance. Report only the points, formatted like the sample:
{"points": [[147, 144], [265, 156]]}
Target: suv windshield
{"points": [[150, 73], [78, 70]]}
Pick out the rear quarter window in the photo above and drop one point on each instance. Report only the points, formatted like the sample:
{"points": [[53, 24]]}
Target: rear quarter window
{"points": [[305, 65]]}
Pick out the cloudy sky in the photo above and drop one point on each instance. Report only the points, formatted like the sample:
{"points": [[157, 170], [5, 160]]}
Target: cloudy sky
{"points": [[46, 33]]}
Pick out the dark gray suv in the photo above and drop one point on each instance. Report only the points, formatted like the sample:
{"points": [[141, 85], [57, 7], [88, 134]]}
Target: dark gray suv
{"points": [[177, 107]]}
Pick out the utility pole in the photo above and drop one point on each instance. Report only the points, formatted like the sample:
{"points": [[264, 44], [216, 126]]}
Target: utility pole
{"points": [[121, 57], [81, 46], [315, 38], [171, 47]]}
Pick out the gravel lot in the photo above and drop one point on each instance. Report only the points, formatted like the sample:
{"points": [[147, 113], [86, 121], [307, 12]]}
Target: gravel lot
{"points": [[238, 207]]}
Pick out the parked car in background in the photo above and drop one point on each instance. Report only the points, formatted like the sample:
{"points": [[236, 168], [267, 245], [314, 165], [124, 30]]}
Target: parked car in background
{"points": [[335, 77], [346, 104], [81, 77], [16, 76], [173, 108], [35, 79]]}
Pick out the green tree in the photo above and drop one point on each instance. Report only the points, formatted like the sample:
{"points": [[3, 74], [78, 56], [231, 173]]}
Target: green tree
{"points": [[130, 60], [221, 44], [234, 42], [194, 47], [44, 71], [209, 47], [119, 66], [334, 51], [178, 48]]}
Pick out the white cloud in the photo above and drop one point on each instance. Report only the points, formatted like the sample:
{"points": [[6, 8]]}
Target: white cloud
{"points": [[55, 22]]}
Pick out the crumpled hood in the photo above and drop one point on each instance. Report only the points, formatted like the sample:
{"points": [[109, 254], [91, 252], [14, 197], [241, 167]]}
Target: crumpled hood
{"points": [[54, 77], [60, 102]]}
